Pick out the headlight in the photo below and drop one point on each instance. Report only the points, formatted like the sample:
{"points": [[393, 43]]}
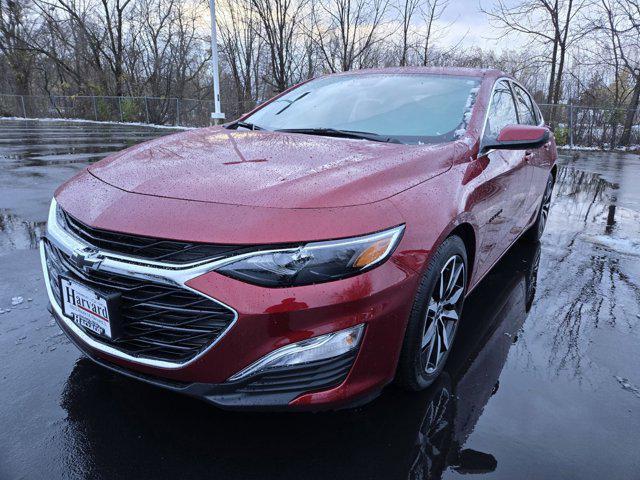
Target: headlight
{"points": [[314, 262], [313, 349], [60, 218], [56, 216]]}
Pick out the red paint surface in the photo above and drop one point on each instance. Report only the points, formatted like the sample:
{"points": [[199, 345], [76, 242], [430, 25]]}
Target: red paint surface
{"points": [[221, 186], [521, 133]]}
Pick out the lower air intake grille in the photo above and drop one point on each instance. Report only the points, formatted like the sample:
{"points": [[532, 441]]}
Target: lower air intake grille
{"points": [[318, 375], [161, 322]]}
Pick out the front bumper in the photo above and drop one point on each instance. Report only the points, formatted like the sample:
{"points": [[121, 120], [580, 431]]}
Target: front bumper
{"points": [[273, 391], [267, 319]]}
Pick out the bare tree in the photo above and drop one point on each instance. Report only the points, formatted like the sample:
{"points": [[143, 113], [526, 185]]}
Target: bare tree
{"points": [[552, 23], [432, 11], [15, 30], [189, 55], [624, 27], [280, 30], [603, 85], [238, 24], [100, 24], [158, 49], [347, 29], [149, 56], [406, 10]]}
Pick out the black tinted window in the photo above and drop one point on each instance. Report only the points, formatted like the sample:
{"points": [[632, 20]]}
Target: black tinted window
{"points": [[502, 111], [526, 112]]}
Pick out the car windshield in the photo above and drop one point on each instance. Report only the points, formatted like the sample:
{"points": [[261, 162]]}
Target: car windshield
{"points": [[406, 108]]}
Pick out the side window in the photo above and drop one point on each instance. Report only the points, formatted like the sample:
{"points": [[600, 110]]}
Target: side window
{"points": [[502, 111], [526, 112]]}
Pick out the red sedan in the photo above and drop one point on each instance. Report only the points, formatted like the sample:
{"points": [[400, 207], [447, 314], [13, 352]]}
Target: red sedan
{"points": [[311, 252]]}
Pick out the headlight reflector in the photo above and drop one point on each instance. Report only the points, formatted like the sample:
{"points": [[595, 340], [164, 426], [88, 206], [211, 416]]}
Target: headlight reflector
{"points": [[314, 262]]}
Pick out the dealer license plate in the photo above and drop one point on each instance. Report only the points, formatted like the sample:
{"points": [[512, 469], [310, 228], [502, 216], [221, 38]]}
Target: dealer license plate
{"points": [[86, 307]]}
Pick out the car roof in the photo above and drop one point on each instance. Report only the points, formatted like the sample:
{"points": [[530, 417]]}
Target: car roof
{"points": [[453, 71]]}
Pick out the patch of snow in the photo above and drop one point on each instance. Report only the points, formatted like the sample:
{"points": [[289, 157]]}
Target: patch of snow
{"points": [[16, 301], [468, 110], [621, 245], [80, 120], [471, 99], [630, 148]]}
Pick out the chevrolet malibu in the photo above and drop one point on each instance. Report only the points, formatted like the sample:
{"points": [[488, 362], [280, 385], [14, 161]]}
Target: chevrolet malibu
{"points": [[310, 253]]}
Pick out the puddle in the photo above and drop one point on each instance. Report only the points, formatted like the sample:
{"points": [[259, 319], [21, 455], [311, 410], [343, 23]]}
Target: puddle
{"points": [[546, 392]]}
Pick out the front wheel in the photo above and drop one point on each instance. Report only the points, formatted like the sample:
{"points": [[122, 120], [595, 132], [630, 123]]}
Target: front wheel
{"points": [[435, 316]]}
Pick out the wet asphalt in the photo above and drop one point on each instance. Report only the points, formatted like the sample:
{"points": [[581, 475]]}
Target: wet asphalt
{"points": [[543, 381]]}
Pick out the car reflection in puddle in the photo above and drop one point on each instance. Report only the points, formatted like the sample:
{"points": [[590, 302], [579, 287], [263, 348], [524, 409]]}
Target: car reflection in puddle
{"points": [[116, 423]]}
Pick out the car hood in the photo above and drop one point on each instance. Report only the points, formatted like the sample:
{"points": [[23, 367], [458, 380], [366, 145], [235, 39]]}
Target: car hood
{"points": [[272, 169]]}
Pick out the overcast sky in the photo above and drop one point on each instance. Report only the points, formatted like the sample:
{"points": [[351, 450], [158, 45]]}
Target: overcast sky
{"points": [[465, 17]]}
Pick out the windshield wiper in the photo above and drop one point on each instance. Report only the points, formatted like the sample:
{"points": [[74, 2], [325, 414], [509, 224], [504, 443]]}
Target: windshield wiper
{"points": [[334, 132], [291, 102], [247, 125]]}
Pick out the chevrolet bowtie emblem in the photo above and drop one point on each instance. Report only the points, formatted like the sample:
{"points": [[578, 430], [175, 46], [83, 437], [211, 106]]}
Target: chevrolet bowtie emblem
{"points": [[86, 259]]}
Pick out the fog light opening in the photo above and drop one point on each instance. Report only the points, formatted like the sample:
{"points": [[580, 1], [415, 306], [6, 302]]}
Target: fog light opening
{"points": [[312, 349]]}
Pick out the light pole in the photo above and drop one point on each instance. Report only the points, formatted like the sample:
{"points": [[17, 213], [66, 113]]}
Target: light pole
{"points": [[216, 116]]}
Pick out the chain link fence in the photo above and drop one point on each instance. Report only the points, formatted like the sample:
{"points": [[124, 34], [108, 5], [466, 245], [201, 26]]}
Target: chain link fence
{"points": [[150, 110], [595, 127], [573, 125]]}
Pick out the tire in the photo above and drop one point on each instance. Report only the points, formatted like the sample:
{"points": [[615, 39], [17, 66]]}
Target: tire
{"points": [[420, 364], [534, 234], [531, 276]]}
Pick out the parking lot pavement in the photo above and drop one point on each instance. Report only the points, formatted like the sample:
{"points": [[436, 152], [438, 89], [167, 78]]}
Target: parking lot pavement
{"points": [[549, 393]]}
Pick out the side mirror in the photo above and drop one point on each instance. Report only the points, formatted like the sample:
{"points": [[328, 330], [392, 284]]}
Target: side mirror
{"points": [[518, 137]]}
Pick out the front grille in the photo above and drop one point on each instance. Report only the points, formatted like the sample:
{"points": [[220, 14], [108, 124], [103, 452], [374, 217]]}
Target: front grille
{"points": [[149, 248], [317, 375], [161, 322]]}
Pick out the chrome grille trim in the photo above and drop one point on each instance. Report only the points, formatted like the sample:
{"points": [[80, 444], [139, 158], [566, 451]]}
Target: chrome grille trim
{"points": [[123, 266], [175, 253]]}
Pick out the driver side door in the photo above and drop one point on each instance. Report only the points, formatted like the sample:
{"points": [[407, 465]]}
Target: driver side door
{"points": [[506, 179]]}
